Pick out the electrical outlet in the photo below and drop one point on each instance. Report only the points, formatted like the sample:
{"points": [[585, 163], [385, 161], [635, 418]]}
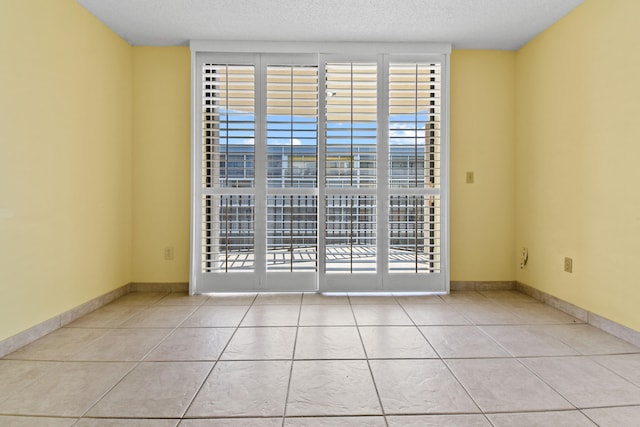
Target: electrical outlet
{"points": [[168, 253], [568, 265], [470, 177]]}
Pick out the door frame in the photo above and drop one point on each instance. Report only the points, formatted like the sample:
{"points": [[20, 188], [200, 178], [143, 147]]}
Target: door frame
{"points": [[260, 279]]}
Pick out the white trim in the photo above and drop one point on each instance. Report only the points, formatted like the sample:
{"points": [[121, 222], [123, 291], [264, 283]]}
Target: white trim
{"points": [[196, 162], [260, 174], [287, 59], [350, 282], [228, 191], [320, 167], [382, 173], [292, 191], [445, 144], [262, 54], [320, 47]]}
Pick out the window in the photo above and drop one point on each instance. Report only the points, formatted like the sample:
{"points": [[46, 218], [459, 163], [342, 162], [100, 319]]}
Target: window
{"points": [[319, 172]]}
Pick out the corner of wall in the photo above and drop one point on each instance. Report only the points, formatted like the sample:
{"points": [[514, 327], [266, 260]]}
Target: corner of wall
{"points": [[576, 159], [161, 159], [65, 168], [483, 142]]}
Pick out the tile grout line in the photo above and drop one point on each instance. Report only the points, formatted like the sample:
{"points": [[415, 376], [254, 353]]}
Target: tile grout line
{"points": [[366, 355], [359, 327], [420, 331], [478, 327], [579, 356], [144, 356], [444, 362], [60, 362], [524, 365], [293, 357], [102, 396], [170, 333], [592, 358], [582, 411], [215, 363], [135, 365]]}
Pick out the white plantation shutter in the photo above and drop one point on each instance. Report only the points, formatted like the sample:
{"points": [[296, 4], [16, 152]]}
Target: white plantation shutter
{"points": [[320, 171], [292, 178], [414, 163], [228, 125], [351, 124], [414, 125], [228, 163], [351, 134]]}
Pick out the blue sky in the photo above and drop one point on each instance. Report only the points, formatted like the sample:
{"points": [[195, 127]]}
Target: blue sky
{"points": [[404, 129]]}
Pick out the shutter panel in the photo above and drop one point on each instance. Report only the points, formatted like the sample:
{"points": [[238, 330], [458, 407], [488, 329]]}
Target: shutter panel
{"points": [[351, 126], [292, 126], [228, 162], [320, 171], [414, 125], [414, 163], [292, 152]]}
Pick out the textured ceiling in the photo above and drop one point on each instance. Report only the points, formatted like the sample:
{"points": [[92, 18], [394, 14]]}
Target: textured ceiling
{"points": [[467, 24]]}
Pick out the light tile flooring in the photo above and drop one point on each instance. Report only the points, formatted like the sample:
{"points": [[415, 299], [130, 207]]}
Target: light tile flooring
{"points": [[494, 358]]}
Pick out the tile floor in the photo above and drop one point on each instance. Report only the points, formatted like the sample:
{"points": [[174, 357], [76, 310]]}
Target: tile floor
{"points": [[494, 358]]}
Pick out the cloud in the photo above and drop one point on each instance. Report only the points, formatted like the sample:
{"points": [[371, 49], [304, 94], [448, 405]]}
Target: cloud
{"points": [[404, 133], [293, 141]]}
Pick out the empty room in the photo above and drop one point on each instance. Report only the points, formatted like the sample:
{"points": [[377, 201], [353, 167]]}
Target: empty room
{"points": [[319, 213]]}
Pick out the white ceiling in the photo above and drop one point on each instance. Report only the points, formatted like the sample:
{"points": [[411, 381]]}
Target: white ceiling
{"points": [[468, 24]]}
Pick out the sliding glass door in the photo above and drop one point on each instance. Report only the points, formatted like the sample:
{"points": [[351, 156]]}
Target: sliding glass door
{"points": [[291, 120], [382, 174], [414, 218], [350, 165], [318, 172]]}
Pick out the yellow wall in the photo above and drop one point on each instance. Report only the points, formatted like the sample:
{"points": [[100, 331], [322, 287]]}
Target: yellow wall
{"points": [[65, 160], [578, 127], [483, 141], [161, 186], [95, 143]]}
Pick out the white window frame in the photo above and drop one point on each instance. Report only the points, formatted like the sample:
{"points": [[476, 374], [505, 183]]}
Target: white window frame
{"points": [[382, 53]]}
